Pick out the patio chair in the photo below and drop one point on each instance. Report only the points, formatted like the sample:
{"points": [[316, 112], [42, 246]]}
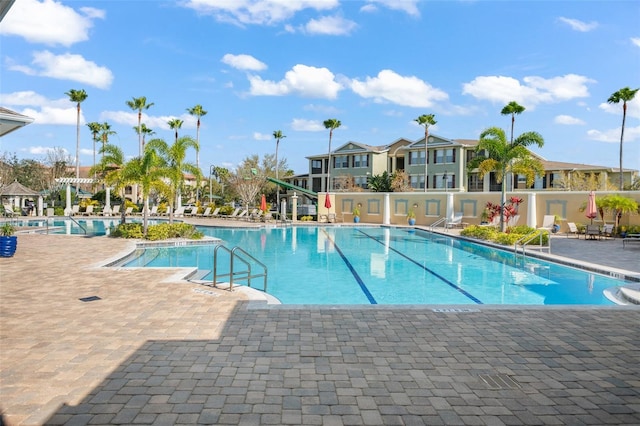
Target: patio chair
{"points": [[179, 212], [215, 213], [154, 211], [547, 222], [9, 212], [494, 222], [206, 213], [592, 231], [116, 210], [233, 215], [573, 229], [607, 230], [106, 211], [88, 211], [513, 221], [455, 222]]}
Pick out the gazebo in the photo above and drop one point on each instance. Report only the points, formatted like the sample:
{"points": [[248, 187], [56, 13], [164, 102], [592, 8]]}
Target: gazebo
{"points": [[16, 193]]}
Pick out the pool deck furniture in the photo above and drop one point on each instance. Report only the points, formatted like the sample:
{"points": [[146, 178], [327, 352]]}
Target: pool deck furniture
{"points": [[572, 229], [631, 239], [592, 232]]}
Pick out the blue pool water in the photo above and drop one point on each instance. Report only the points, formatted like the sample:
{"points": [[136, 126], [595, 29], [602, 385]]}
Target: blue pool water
{"points": [[95, 227], [378, 265]]}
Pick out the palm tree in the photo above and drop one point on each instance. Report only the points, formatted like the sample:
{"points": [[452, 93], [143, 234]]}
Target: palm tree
{"points": [[175, 166], [146, 171], [77, 96], [105, 128], [331, 124], [513, 109], [112, 167], [95, 128], [198, 111], [145, 131], [175, 124], [503, 157], [623, 95], [139, 104], [277, 134], [426, 120]]}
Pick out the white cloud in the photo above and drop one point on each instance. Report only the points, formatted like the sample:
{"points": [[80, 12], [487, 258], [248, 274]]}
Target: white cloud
{"points": [[300, 124], [67, 67], [130, 118], [330, 25], [51, 115], [302, 80], [44, 150], [579, 25], [257, 12], [531, 92], [635, 41], [613, 135], [633, 108], [408, 6], [389, 86], [261, 136], [49, 22], [41, 109], [568, 120], [243, 62]]}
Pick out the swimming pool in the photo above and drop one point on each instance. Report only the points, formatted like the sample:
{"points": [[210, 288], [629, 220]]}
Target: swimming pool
{"points": [[382, 265]]}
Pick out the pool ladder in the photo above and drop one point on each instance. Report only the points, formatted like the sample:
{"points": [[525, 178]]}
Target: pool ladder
{"points": [[538, 233], [440, 221], [239, 255]]}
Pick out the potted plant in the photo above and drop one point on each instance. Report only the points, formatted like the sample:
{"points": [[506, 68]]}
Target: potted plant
{"points": [[8, 241], [356, 214], [411, 217], [556, 224]]}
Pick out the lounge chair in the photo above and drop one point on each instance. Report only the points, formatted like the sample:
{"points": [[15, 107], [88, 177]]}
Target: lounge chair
{"points": [[455, 222], [9, 212], [88, 211], [154, 211], [630, 238], [573, 229], [206, 213], [128, 211], [116, 210], [179, 212], [494, 222], [215, 213], [233, 215], [106, 211], [547, 222], [242, 214], [607, 230]]}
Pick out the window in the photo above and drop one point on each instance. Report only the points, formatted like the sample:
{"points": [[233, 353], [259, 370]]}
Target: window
{"points": [[444, 156], [361, 160], [416, 157], [417, 181], [316, 166], [440, 179], [361, 181], [340, 162]]}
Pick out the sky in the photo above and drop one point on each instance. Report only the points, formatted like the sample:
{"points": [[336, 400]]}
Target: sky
{"points": [[257, 66]]}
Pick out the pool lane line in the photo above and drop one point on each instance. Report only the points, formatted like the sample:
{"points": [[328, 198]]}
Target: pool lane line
{"points": [[361, 283], [432, 272]]}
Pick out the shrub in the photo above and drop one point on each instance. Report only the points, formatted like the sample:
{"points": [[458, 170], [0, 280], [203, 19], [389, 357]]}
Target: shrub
{"points": [[162, 231], [226, 210], [489, 233], [306, 218]]}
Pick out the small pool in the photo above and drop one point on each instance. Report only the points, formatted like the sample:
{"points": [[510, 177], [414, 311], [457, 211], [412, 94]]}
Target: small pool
{"points": [[382, 265]]}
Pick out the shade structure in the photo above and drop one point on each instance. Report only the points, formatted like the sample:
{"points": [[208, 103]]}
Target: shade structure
{"points": [[327, 201], [592, 209], [263, 203]]}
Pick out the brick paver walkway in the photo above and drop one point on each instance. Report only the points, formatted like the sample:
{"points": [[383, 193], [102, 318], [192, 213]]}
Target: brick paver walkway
{"points": [[153, 350]]}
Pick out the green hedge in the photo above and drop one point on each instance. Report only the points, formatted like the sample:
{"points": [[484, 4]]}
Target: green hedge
{"points": [[162, 231], [490, 233]]}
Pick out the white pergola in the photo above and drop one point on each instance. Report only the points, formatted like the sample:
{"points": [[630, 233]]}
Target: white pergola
{"points": [[69, 180]]}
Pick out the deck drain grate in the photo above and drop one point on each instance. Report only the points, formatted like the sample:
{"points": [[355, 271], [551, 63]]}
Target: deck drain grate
{"points": [[89, 299], [499, 381]]}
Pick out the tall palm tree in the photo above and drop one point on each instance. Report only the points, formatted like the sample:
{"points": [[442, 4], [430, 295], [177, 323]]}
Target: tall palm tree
{"points": [[513, 109], [175, 124], [331, 124], [198, 111], [95, 128], [145, 131], [146, 171], [503, 157], [175, 165], [277, 134], [426, 120], [77, 96], [623, 95], [112, 167], [105, 129], [139, 104]]}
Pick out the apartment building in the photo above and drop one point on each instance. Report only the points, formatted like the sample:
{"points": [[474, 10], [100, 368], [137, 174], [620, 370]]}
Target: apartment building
{"points": [[446, 167]]}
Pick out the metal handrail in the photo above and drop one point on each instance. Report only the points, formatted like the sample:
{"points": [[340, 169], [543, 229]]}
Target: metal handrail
{"points": [[239, 275], [76, 222], [437, 222], [523, 241]]}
